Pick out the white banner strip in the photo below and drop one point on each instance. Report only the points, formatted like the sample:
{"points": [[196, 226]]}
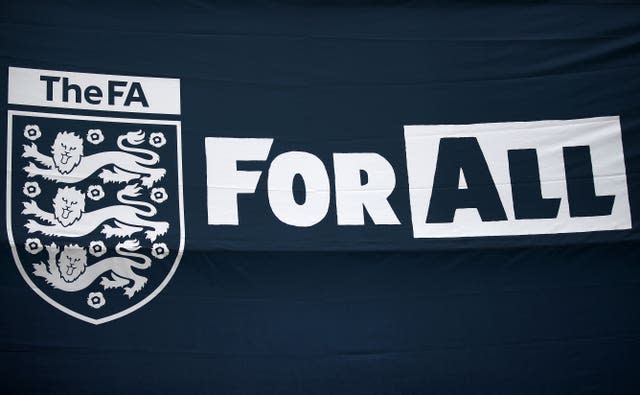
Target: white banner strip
{"points": [[49, 88], [467, 172]]}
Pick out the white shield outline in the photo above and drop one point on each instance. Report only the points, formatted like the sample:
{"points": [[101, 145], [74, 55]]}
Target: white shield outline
{"points": [[16, 257]]}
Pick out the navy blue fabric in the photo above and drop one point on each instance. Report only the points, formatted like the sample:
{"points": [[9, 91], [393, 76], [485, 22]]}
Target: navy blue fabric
{"points": [[267, 308]]}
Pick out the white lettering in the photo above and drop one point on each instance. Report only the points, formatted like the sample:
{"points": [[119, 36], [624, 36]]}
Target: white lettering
{"points": [[352, 196], [225, 181], [280, 188]]}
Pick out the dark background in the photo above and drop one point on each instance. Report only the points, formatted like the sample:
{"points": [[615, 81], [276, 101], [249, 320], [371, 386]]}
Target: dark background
{"points": [[354, 309]]}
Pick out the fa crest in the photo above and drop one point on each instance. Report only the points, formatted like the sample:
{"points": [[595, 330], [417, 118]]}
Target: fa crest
{"points": [[94, 209]]}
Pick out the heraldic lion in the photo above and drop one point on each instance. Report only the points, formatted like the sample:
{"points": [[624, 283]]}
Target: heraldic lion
{"points": [[67, 150], [68, 206], [68, 164], [70, 273], [69, 218]]}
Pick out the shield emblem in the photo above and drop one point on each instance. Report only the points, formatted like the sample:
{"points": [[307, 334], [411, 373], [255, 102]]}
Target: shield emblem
{"points": [[94, 209]]}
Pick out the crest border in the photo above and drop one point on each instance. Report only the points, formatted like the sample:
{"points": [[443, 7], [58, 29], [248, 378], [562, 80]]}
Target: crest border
{"points": [[12, 244]]}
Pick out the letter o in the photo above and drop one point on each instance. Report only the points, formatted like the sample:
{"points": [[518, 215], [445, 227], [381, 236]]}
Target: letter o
{"points": [[280, 188]]}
